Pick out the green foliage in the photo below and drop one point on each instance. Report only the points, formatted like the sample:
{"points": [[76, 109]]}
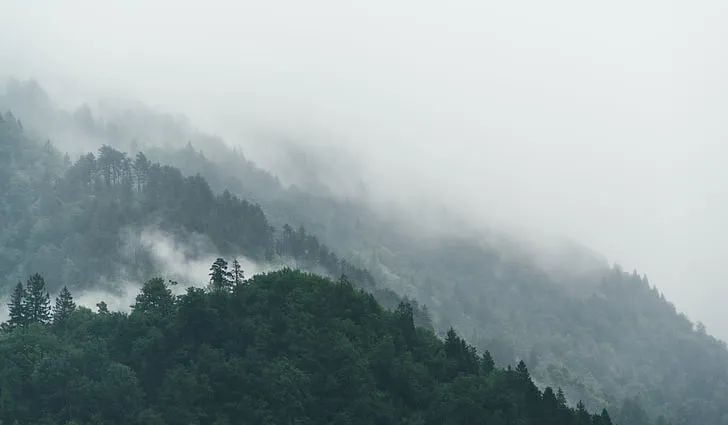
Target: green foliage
{"points": [[236, 274], [220, 278], [285, 348], [63, 307], [604, 337], [18, 316], [37, 303]]}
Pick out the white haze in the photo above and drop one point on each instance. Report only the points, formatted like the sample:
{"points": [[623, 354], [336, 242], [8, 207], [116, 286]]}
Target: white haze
{"points": [[599, 121], [187, 263]]}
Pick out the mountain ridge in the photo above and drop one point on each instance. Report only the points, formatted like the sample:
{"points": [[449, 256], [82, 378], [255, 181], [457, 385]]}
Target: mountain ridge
{"points": [[618, 341]]}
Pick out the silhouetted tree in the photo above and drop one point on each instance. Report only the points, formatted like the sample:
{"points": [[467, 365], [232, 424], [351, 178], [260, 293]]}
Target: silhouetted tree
{"points": [[37, 300], [522, 371], [405, 320], [102, 307], [18, 315], [141, 168], [154, 298], [220, 277], [487, 364], [237, 273], [561, 398], [582, 416], [452, 343], [64, 306]]}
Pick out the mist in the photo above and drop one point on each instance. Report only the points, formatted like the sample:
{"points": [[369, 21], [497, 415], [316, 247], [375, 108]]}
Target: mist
{"points": [[186, 263], [600, 123]]}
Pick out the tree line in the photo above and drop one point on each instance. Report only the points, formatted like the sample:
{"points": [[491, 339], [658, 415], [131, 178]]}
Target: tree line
{"points": [[283, 347], [30, 304]]}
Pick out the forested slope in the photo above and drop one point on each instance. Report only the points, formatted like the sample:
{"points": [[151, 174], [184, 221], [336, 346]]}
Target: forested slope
{"points": [[280, 348], [80, 221], [607, 337]]}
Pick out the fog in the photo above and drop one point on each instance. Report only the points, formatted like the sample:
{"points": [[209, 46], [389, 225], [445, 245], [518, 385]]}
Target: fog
{"points": [[599, 122], [184, 264]]}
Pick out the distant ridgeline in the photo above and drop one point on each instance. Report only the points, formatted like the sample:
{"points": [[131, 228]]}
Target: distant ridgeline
{"points": [[66, 219], [285, 347], [615, 341]]}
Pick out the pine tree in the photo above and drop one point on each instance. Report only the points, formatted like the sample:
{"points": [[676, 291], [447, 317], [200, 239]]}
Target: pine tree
{"points": [[522, 371], [37, 301], [487, 364], [220, 277], [452, 344], [603, 419], [155, 298], [582, 416], [405, 320], [549, 400], [561, 397], [102, 307], [18, 315], [141, 168], [237, 273], [64, 306]]}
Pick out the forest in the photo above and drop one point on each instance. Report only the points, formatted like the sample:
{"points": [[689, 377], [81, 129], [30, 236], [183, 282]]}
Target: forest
{"points": [[608, 339], [69, 223], [285, 347]]}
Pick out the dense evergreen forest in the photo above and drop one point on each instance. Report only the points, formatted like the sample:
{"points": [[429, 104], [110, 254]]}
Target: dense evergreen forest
{"points": [[281, 348], [69, 218], [608, 337]]}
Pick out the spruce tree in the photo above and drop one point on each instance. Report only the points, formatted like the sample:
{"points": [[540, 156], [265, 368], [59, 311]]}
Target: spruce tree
{"points": [[64, 306], [582, 416], [605, 419], [237, 273], [487, 364], [452, 344], [522, 371], [220, 277], [406, 321], [561, 398], [37, 300], [155, 298], [18, 315], [141, 168]]}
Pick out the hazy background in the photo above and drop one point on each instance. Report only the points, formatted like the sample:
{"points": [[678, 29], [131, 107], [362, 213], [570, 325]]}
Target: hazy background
{"points": [[604, 122]]}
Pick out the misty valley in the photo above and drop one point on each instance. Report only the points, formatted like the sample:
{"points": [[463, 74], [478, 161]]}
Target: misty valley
{"points": [[154, 275]]}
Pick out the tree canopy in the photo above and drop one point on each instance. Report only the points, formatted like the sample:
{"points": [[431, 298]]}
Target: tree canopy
{"points": [[286, 347]]}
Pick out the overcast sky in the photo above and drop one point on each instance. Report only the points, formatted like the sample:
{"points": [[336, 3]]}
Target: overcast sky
{"points": [[600, 121]]}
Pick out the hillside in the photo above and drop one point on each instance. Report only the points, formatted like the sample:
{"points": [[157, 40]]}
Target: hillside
{"points": [[280, 348], [87, 222], [607, 337]]}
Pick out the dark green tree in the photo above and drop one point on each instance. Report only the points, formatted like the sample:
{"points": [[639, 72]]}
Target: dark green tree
{"points": [[452, 343], [220, 277], [561, 397], [141, 168], [405, 320], [102, 307], [155, 298], [64, 306], [603, 418], [18, 315], [237, 273], [487, 364], [37, 300], [582, 416], [522, 371]]}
